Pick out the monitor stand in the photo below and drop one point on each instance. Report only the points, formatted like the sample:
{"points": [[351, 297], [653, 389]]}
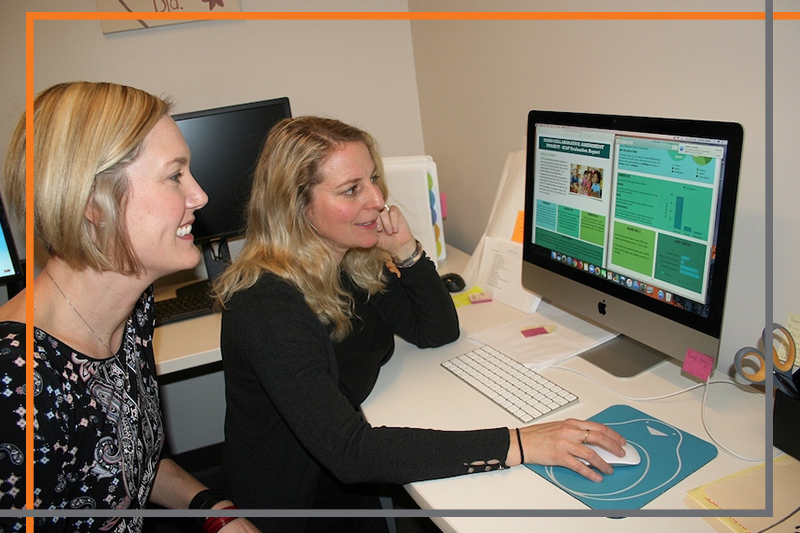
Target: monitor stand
{"points": [[217, 258], [623, 357]]}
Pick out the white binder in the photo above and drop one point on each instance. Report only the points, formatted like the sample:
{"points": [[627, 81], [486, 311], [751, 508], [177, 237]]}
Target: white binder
{"points": [[414, 189]]}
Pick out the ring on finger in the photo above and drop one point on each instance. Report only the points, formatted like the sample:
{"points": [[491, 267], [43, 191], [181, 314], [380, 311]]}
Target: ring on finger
{"points": [[586, 437]]}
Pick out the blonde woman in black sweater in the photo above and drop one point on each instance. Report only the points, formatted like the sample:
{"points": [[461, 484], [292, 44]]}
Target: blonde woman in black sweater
{"points": [[311, 310]]}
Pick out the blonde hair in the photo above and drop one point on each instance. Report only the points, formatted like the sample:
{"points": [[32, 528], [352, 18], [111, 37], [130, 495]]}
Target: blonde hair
{"points": [[279, 237], [85, 134]]}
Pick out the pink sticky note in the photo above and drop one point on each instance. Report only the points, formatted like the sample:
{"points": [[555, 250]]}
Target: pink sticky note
{"points": [[698, 364], [532, 332]]}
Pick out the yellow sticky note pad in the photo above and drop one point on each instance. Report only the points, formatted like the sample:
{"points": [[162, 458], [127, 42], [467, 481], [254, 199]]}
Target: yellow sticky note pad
{"points": [[465, 298]]}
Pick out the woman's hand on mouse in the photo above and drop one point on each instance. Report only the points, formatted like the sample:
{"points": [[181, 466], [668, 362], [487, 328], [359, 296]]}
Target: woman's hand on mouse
{"points": [[561, 443]]}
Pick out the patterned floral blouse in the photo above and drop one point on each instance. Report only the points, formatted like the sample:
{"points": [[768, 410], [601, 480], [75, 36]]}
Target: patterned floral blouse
{"points": [[97, 426]]}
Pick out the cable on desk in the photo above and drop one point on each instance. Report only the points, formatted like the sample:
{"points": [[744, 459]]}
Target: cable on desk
{"points": [[676, 393], [781, 521], [705, 426]]}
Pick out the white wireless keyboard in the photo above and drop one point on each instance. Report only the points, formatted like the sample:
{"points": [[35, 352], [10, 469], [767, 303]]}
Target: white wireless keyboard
{"points": [[511, 385]]}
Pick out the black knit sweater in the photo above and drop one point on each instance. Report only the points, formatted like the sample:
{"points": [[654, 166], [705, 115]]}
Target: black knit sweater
{"points": [[292, 395]]}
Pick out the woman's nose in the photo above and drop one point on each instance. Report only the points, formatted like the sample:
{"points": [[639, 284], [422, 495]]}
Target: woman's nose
{"points": [[197, 197], [377, 198]]}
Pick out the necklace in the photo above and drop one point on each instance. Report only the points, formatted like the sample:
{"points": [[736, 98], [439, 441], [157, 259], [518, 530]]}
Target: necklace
{"points": [[81, 317], [112, 352]]}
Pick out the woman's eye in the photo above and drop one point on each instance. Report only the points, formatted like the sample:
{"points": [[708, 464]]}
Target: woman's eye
{"points": [[351, 191], [176, 177]]}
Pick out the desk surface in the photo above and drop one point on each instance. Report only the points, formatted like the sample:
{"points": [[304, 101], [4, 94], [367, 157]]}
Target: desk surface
{"points": [[186, 344], [414, 390]]}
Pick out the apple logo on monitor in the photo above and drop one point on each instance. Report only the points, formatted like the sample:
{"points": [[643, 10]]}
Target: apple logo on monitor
{"points": [[601, 307]]}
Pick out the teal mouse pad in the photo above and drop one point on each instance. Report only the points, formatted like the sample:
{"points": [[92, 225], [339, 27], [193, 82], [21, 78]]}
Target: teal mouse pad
{"points": [[668, 455]]}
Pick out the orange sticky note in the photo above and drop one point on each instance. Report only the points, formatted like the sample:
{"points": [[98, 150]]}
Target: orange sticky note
{"points": [[698, 364], [519, 228]]}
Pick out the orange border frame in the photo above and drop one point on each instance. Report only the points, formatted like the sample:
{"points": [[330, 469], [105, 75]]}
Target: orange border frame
{"points": [[404, 15], [32, 16]]}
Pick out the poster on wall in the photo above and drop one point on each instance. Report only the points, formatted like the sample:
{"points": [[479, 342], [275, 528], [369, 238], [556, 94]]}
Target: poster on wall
{"points": [[157, 6]]}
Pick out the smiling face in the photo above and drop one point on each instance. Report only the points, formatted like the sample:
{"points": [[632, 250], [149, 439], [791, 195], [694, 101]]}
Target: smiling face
{"points": [[344, 206], [163, 197]]}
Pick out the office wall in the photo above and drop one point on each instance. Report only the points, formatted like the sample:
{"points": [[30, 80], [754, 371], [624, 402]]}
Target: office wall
{"points": [[359, 72], [786, 190], [478, 80]]}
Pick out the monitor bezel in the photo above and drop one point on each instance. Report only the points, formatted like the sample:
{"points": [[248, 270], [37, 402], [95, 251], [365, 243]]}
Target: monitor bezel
{"points": [[283, 102], [730, 131]]}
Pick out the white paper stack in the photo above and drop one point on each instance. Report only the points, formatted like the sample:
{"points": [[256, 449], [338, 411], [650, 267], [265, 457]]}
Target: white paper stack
{"points": [[496, 263]]}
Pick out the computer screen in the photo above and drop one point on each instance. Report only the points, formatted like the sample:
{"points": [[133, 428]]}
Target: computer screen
{"points": [[225, 143], [10, 267], [628, 223]]}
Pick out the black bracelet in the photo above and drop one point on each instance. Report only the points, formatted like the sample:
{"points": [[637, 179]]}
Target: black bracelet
{"points": [[412, 259], [206, 499], [521, 451]]}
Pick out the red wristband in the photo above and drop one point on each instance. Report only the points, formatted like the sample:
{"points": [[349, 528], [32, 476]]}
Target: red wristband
{"points": [[214, 523]]}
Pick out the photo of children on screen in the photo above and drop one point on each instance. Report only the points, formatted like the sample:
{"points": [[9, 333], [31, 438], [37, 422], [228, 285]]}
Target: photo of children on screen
{"points": [[586, 181]]}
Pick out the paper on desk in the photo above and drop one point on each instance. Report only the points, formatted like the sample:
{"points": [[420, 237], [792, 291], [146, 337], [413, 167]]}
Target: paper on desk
{"points": [[464, 298], [508, 202], [746, 490], [571, 336], [501, 274]]}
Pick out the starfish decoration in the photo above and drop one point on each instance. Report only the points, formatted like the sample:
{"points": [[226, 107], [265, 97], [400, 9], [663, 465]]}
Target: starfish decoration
{"points": [[213, 3]]}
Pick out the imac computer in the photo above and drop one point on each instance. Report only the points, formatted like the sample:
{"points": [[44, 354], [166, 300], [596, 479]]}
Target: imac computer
{"points": [[225, 143], [628, 223], [11, 271]]}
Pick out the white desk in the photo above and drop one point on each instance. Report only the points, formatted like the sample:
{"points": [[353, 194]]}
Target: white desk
{"points": [[192, 387], [187, 344], [413, 390]]}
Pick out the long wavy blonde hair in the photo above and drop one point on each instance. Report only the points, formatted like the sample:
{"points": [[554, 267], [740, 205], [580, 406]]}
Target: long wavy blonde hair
{"points": [[279, 237]]}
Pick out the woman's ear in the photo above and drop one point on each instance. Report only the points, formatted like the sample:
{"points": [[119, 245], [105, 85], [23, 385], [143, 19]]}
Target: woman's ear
{"points": [[92, 213], [94, 217]]}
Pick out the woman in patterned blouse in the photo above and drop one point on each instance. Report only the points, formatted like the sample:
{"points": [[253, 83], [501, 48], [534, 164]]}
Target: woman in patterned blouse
{"points": [[113, 206]]}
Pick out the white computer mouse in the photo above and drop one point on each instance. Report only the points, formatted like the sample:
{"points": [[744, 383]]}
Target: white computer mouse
{"points": [[630, 458]]}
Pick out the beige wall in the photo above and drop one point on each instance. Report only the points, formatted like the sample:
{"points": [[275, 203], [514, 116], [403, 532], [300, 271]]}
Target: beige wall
{"points": [[786, 170], [362, 73], [478, 80]]}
